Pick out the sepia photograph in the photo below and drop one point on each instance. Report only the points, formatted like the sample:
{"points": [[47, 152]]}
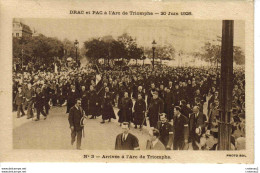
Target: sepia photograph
{"points": [[128, 84]]}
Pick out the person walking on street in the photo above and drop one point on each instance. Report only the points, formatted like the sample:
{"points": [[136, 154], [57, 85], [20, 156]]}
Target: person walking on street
{"points": [[75, 115]]}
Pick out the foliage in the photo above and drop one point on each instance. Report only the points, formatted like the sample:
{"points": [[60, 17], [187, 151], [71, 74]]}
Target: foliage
{"points": [[239, 56], [39, 49], [96, 49], [166, 52], [69, 48], [212, 53], [108, 48]]}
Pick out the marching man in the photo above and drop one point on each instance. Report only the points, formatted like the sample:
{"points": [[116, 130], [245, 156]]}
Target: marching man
{"points": [[126, 140], [76, 115]]}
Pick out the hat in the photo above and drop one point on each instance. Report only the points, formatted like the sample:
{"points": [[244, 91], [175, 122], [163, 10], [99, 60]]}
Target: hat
{"points": [[198, 131], [214, 132], [83, 121]]}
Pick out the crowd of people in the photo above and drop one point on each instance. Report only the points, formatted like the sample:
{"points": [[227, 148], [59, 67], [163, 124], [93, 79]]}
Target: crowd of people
{"points": [[179, 104]]}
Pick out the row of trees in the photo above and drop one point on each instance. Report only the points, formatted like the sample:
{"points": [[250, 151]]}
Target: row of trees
{"points": [[44, 50], [124, 47], [41, 50], [212, 53], [108, 48]]}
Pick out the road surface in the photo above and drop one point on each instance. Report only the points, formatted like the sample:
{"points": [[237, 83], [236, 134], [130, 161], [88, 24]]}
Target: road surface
{"points": [[54, 132]]}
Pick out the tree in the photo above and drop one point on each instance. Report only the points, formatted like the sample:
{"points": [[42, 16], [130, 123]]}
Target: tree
{"points": [[118, 50], [166, 52], [68, 48], [212, 53], [108, 48], [135, 52], [45, 49], [239, 56], [129, 44], [96, 49], [37, 50], [22, 49], [127, 40]]}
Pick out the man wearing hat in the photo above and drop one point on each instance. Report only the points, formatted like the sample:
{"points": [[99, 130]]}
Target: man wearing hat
{"points": [[166, 131], [155, 108], [154, 143], [75, 119], [126, 140]]}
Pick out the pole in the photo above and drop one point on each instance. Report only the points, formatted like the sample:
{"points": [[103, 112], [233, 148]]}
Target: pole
{"points": [[77, 56], [153, 56], [22, 60], [226, 85], [108, 58], [22, 65]]}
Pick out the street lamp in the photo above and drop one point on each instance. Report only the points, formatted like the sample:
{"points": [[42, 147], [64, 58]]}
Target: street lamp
{"points": [[76, 44], [153, 47], [22, 59]]}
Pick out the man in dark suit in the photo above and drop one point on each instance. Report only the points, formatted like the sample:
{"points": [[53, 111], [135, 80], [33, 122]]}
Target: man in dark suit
{"points": [[39, 103], [29, 96], [84, 99], [197, 126], [19, 102], [75, 115], [168, 106], [126, 140], [166, 132], [154, 143], [155, 108], [46, 95], [185, 110], [125, 109], [72, 96], [180, 129]]}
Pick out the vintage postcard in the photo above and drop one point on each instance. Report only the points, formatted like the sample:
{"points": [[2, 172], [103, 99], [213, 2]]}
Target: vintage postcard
{"points": [[160, 82]]}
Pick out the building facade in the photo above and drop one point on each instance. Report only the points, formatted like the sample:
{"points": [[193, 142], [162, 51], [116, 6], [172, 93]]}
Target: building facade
{"points": [[20, 29]]}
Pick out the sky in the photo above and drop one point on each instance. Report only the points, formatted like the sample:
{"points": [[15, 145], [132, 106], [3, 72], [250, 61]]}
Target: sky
{"points": [[185, 35]]}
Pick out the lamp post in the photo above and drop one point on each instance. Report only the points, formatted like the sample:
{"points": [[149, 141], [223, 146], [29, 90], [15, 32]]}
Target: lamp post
{"points": [[76, 44], [109, 54], [22, 60], [153, 47]]}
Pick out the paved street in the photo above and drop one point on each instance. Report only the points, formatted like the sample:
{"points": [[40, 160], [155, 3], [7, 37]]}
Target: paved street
{"points": [[54, 133]]}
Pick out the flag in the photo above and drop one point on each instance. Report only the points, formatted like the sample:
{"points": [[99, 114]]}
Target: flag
{"points": [[98, 78]]}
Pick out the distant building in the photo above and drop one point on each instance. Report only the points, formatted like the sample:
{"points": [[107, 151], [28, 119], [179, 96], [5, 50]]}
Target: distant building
{"points": [[20, 29]]}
